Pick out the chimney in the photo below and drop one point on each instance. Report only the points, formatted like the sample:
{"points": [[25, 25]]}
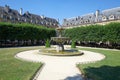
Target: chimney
{"points": [[21, 11], [7, 8], [97, 13]]}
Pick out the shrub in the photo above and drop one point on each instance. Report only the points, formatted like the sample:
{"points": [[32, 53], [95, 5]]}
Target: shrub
{"points": [[95, 33], [73, 45], [9, 31], [47, 43]]}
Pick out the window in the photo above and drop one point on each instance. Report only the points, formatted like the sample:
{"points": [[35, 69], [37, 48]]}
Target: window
{"points": [[18, 18], [67, 24], [81, 18], [31, 21], [90, 17], [11, 17], [25, 20], [36, 21], [118, 17], [111, 17], [104, 18], [1, 16], [88, 21], [76, 19]]}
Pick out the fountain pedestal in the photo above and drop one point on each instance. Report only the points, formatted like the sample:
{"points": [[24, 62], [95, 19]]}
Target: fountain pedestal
{"points": [[59, 40], [60, 48]]}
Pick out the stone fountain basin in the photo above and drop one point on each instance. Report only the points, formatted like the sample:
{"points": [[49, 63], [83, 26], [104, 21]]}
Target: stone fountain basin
{"points": [[67, 52], [60, 39]]}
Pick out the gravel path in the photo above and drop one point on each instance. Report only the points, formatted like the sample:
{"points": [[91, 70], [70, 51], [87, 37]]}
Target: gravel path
{"points": [[59, 68]]}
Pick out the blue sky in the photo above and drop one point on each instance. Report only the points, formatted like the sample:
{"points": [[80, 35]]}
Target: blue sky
{"points": [[61, 8]]}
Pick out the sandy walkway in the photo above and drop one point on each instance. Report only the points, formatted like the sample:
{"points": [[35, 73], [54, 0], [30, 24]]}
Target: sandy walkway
{"points": [[60, 68]]}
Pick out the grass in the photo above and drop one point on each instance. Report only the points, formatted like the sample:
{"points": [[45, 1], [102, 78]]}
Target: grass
{"points": [[107, 69], [14, 69]]}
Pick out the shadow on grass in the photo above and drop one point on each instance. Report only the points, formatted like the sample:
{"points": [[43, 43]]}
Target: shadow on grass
{"points": [[76, 77], [103, 73]]}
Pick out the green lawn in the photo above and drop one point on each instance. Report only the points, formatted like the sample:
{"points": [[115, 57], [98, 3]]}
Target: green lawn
{"points": [[107, 69], [14, 69]]}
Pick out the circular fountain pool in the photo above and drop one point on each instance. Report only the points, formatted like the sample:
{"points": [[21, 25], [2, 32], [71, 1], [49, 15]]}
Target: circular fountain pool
{"points": [[67, 52]]}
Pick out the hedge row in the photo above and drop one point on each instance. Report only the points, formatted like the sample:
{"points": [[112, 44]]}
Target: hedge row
{"points": [[9, 31], [95, 33]]}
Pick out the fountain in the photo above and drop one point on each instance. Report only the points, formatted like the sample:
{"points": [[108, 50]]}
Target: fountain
{"points": [[60, 51], [59, 39]]}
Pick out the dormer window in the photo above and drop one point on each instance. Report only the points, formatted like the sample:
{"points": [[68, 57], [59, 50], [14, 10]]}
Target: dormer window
{"points": [[18, 19], [118, 17], [31, 21], [11, 17], [67, 24], [46, 23], [118, 11], [25, 20], [88, 21], [76, 19], [90, 17], [1, 16], [81, 18], [104, 18], [65, 20], [36, 21], [50, 23], [81, 22], [111, 17], [42, 22]]}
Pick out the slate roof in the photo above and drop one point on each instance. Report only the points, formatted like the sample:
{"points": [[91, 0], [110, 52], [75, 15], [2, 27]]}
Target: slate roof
{"points": [[91, 18], [11, 14]]}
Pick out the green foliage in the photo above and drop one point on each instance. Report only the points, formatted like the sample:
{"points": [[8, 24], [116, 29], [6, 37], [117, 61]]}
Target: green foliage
{"points": [[96, 33], [9, 31], [73, 45], [107, 69], [14, 69], [47, 43]]}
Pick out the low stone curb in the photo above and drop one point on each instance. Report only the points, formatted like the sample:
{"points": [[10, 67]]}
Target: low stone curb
{"points": [[38, 72]]}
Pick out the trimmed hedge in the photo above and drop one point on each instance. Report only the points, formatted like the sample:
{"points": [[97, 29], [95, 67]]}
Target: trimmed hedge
{"points": [[107, 36], [96, 33], [9, 31]]}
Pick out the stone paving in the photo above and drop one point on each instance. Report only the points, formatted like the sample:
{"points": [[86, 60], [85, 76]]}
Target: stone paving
{"points": [[59, 68]]}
